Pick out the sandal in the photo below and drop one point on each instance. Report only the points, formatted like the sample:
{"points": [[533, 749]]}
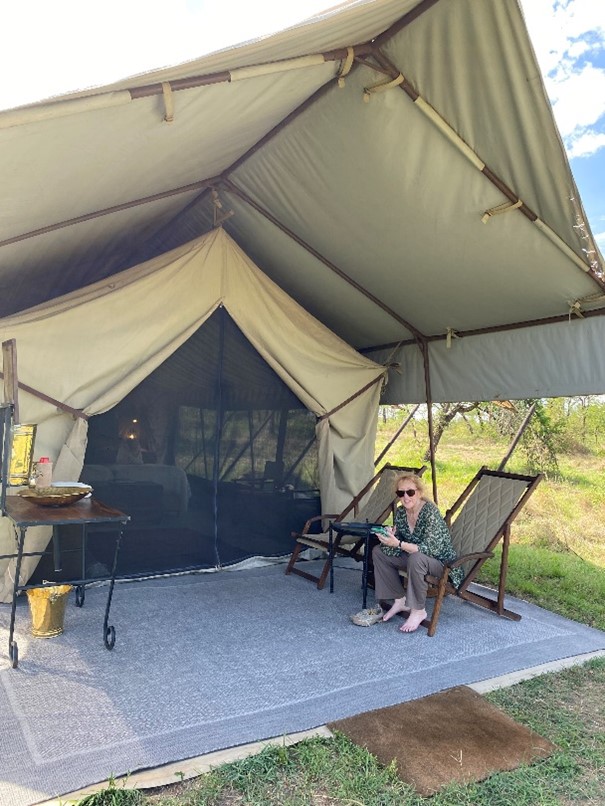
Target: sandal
{"points": [[367, 617]]}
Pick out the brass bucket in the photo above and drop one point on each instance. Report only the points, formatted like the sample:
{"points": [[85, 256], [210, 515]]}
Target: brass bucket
{"points": [[47, 607]]}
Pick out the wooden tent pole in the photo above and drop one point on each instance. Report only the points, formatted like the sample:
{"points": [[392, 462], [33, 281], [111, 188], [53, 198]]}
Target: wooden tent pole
{"points": [[230, 187], [517, 436], [288, 473], [9, 373], [251, 442], [116, 208], [48, 399], [429, 407], [243, 450], [280, 126], [386, 449], [281, 442], [551, 320], [452, 135]]}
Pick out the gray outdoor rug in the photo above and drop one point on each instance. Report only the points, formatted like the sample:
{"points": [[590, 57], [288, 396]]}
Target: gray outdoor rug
{"points": [[211, 661]]}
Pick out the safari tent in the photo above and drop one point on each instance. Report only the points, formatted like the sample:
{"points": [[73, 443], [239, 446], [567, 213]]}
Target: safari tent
{"points": [[378, 198], [203, 357]]}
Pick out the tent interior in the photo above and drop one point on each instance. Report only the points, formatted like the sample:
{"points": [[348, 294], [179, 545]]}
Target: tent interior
{"points": [[212, 456], [392, 166]]}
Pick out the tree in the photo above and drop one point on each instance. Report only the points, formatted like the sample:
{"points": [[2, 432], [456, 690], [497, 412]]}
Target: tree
{"points": [[446, 412], [540, 442]]}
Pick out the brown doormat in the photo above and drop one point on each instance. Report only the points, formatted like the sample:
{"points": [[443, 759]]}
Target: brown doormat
{"points": [[453, 736]]}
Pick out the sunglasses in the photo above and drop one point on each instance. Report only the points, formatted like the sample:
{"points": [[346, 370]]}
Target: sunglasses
{"points": [[410, 493]]}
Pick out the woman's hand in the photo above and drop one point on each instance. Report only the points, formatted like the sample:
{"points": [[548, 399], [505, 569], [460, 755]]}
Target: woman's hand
{"points": [[389, 539]]}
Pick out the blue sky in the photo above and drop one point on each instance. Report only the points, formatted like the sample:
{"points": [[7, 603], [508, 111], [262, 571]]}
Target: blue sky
{"points": [[569, 40], [76, 44]]}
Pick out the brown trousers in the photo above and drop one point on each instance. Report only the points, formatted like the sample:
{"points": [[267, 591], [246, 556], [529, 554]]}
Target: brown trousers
{"points": [[389, 585]]}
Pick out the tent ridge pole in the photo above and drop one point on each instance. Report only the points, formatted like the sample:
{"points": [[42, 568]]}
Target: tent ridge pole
{"points": [[168, 225], [230, 187], [463, 147], [116, 208], [278, 128]]}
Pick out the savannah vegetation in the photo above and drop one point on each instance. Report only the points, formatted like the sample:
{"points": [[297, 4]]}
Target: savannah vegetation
{"points": [[557, 560]]}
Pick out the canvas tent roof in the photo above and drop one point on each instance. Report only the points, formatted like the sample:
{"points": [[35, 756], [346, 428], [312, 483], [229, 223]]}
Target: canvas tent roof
{"points": [[372, 215], [89, 349]]}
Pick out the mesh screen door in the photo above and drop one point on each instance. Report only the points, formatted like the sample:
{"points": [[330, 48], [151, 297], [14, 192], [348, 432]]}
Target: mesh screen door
{"points": [[212, 456]]}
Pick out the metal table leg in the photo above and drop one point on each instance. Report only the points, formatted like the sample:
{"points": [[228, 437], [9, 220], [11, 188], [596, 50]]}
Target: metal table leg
{"points": [[13, 649], [109, 633], [57, 549], [364, 574], [81, 589], [331, 556]]}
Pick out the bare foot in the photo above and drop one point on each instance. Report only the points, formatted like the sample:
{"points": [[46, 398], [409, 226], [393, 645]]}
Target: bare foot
{"points": [[413, 621], [398, 606]]}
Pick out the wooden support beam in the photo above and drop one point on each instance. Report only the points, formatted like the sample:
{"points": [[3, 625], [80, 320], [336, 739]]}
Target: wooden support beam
{"points": [[9, 373], [448, 131], [390, 443], [116, 208], [429, 411], [517, 437], [232, 188], [48, 399]]}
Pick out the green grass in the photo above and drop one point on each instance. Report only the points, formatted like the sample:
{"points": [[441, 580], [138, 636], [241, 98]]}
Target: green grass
{"points": [[563, 514], [557, 560], [114, 795], [567, 708], [560, 582]]}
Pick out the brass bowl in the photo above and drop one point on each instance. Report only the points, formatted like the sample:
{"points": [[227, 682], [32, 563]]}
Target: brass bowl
{"points": [[55, 496]]}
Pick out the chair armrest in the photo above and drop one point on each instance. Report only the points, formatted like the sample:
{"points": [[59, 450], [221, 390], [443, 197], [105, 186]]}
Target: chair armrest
{"points": [[313, 520], [478, 555]]}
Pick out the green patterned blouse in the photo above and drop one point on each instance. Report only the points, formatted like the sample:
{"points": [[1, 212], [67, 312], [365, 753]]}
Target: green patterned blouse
{"points": [[430, 534]]}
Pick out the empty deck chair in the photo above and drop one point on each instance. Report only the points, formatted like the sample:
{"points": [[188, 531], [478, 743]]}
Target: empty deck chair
{"points": [[375, 509], [484, 514]]}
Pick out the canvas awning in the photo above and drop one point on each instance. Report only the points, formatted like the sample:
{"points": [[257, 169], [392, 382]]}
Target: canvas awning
{"points": [[393, 165]]}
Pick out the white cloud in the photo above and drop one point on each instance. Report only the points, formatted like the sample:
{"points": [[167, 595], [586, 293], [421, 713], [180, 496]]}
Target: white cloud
{"points": [[585, 144], [569, 40], [578, 99]]}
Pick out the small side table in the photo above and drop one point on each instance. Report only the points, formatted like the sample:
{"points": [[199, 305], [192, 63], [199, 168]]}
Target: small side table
{"points": [[357, 529], [25, 513]]}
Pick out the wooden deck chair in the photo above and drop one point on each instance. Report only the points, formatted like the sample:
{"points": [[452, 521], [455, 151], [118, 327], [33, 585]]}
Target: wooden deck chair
{"points": [[484, 514], [375, 509]]}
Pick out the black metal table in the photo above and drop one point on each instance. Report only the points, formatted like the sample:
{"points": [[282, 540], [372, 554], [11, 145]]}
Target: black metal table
{"points": [[25, 513], [357, 529]]}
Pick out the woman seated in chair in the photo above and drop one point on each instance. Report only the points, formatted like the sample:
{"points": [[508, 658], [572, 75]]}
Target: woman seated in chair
{"points": [[420, 544]]}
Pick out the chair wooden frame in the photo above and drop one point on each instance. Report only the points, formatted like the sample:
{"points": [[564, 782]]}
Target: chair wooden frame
{"points": [[308, 539], [439, 587]]}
